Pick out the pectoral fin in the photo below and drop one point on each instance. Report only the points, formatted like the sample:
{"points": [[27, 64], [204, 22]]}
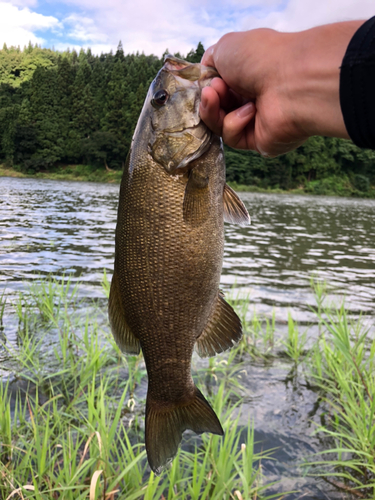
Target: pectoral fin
{"points": [[222, 331], [124, 337], [234, 210], [196, 200]]}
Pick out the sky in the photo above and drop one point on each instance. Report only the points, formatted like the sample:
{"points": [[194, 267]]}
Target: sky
{"points": [[153, 26]]}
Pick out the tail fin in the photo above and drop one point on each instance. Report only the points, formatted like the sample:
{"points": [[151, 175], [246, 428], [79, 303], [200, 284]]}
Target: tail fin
{"points": [[165, 425]]}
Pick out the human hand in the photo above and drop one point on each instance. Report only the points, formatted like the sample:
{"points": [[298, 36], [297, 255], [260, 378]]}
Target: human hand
{"points": [[277, 89]]}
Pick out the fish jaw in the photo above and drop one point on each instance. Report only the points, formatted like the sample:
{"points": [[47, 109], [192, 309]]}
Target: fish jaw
{"points": [[186, 72]]}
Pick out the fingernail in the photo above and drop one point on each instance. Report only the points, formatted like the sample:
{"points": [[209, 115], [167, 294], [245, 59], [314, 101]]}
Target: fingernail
{"points": [[246, 110], [203, 100]]}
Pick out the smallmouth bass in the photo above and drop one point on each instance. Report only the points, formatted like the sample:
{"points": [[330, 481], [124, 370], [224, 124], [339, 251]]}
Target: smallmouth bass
{"points": [[165, 296]]}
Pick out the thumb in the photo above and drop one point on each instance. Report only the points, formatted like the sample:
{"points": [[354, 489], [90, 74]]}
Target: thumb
{"points": [[208, 56]]}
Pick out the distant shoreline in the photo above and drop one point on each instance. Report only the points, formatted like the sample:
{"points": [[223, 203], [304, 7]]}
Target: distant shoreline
{"points": [[85, 173], [68, 173]]}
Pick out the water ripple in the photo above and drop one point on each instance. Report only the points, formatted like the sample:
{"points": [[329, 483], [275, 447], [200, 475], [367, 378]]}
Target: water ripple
{"points": [[56, 227]]}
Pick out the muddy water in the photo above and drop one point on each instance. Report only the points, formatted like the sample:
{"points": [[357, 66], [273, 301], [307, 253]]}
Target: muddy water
{"points": [[68, 227]]}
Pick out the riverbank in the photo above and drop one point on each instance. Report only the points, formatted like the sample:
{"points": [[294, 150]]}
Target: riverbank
{"points": [[67, 173], [72, 414], [331, 186]]}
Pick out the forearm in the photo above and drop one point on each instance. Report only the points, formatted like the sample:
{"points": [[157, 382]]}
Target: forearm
{"points": [[313, 78]]}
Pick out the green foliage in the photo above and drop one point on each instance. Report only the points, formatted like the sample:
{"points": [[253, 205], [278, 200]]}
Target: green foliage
{"points": [[17, 67], [361, 183], [330, 185], [195, 56], [295, 342], [343, 366], [322, 165], [77, 433], [69, 108]]}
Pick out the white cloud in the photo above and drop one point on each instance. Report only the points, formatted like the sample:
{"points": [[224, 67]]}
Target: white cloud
{"points": [[152, 27], [299, 15], [24, 3], [144, 25], [149, 26], [96, 48], [18, 26], [84, 29]]}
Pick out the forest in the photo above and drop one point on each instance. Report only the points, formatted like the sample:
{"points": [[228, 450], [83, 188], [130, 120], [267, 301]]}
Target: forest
{"points": [[68, 108]]}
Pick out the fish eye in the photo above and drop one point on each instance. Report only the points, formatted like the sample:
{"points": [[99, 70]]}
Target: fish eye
{"points": [[160, 98]]}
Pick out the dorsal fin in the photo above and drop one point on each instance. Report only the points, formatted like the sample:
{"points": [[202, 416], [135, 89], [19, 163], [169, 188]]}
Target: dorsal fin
{"points": [[234, 210]]}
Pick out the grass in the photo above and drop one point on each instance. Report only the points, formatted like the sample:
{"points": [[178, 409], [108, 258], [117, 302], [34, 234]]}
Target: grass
{"points": [[2, 308], [295, 342], [77, 431], [341, 363], [259, 339]]}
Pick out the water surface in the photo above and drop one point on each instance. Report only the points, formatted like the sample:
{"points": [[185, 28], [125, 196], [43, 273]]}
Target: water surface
{"points": [[68, 228]]}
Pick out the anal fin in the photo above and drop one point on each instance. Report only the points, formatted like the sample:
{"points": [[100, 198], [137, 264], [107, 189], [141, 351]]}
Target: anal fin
{"points": [[235, 211], [222, 332], [124, 337]]}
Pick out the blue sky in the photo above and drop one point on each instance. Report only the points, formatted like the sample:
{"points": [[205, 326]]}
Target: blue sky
{"points": [[153, 26]]}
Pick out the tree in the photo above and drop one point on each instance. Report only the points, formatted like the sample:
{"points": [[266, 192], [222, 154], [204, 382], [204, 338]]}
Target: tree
{"points": [[46, 111], [195, 56], [69, 107], [84, 119], [100, 148]]}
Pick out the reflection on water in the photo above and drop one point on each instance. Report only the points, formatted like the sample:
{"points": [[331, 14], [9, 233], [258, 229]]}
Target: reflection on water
{"points": [[68, 227], [56, 227], [293, 237]]}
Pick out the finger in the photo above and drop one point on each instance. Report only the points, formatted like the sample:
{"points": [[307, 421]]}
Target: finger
{"points": [[229, 99], [238, 127], [210, 110], [208, 57]]}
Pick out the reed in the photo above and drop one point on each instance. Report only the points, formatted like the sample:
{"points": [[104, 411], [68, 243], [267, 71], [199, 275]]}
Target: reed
{"points": [[295, 341], [259, 332], [77, 432], [343, 365], [341, 362], [2, 308]]}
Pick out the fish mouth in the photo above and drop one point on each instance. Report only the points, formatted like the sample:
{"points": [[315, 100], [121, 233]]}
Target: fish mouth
{"points": [[186, 72]]}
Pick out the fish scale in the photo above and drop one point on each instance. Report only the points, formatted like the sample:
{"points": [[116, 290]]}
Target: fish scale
{"points": [[165, 297]]}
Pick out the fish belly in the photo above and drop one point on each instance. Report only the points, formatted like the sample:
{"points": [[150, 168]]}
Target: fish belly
{"points": [[169, 270]]}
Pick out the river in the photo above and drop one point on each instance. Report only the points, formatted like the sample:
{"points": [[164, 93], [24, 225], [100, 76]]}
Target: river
{"points": [[68, 228]]}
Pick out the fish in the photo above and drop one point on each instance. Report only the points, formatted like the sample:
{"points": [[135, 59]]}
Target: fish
{"points": [[164, 297]]}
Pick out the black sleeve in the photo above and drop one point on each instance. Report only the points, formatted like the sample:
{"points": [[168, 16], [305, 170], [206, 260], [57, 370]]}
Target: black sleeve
{"points": [[357, 86]]}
